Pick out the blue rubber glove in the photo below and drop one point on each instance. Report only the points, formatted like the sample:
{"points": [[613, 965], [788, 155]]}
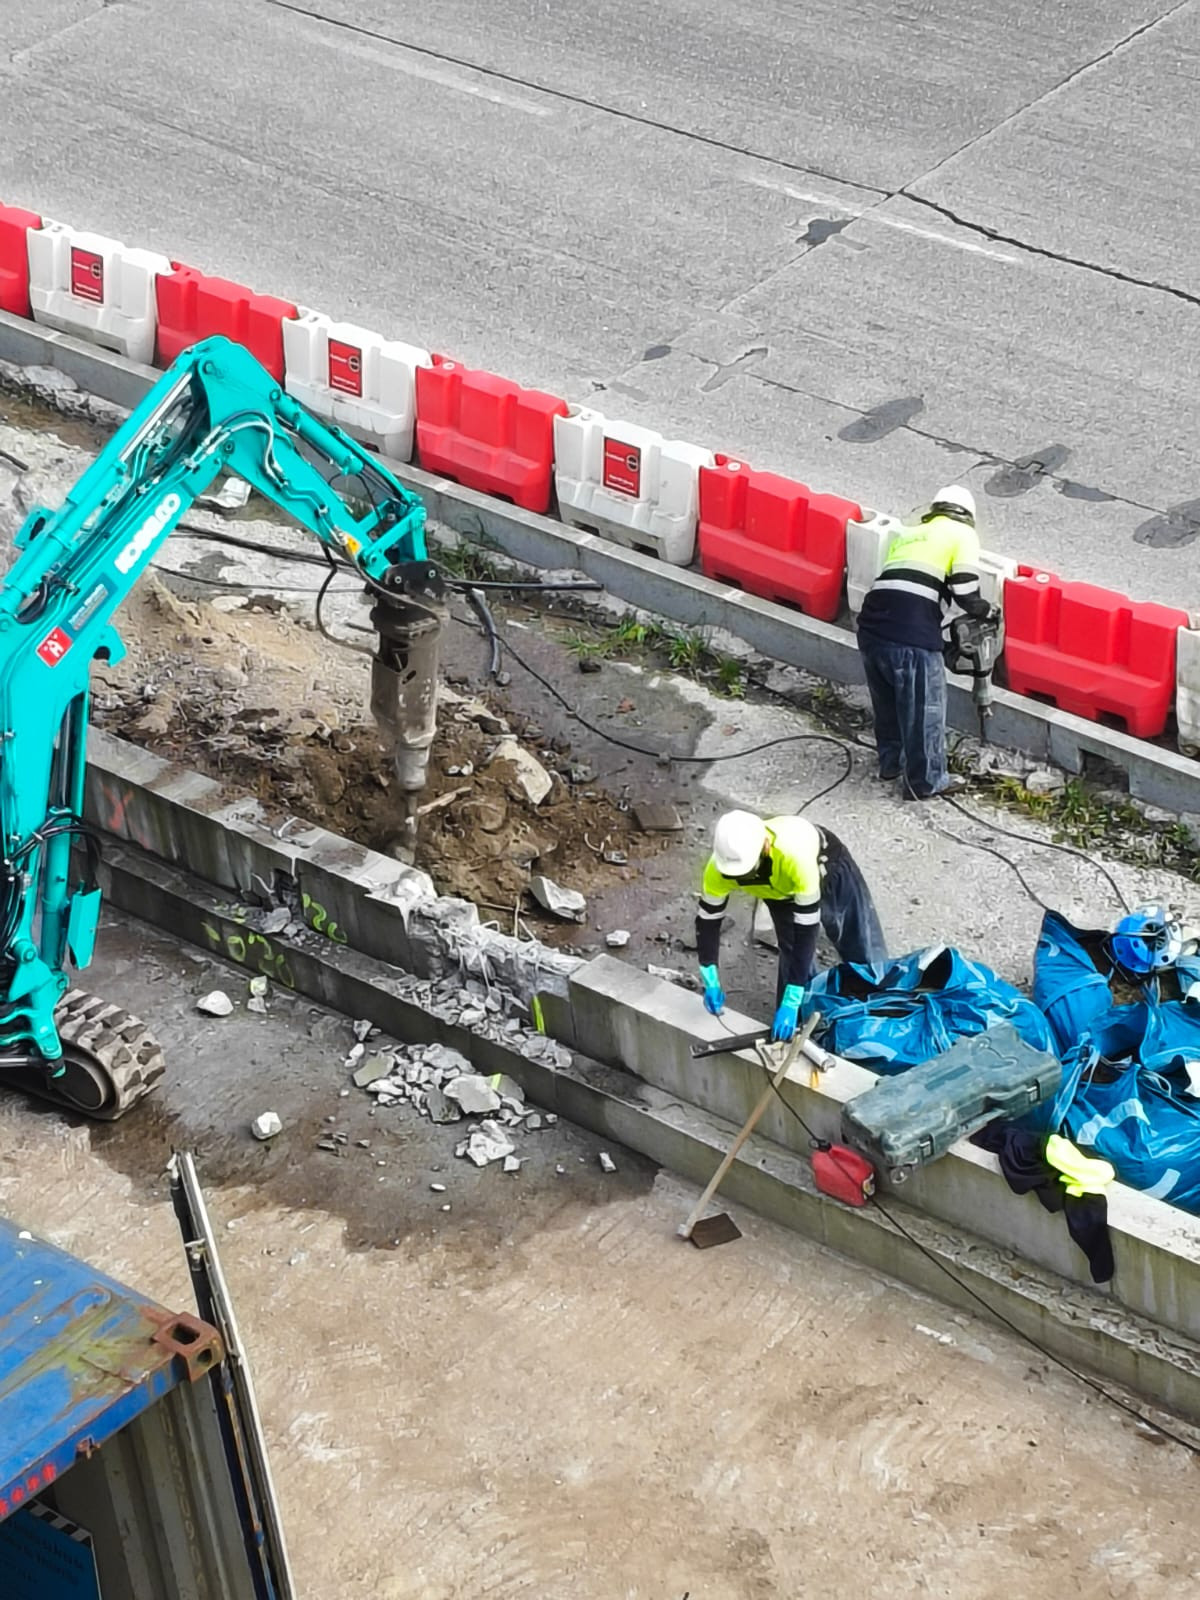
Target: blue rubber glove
{"points": [[789, 1010], [714, 995]]}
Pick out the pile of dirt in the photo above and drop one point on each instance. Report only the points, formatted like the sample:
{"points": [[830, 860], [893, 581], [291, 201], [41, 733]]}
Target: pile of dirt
{"points": [[248, 697]]}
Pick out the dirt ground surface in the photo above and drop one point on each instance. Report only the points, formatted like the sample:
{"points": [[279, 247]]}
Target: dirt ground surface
{"points": [[544, 1391]]}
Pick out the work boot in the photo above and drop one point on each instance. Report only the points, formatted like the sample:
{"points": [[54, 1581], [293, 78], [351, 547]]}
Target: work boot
{"points": [[954, 785]]}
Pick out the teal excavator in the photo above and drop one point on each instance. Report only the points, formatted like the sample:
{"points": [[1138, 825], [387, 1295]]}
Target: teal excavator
{"points": [[215, 412]]}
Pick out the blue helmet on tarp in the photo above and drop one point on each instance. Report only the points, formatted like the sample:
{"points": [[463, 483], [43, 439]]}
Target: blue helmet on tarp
{"points": [[1147, 940]]}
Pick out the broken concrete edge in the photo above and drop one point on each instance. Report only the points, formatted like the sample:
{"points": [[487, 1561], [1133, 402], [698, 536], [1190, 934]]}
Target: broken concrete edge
{"points": [[1156, 775], [627, 1019], [612, 1012], [351, 895], [951, 1266]]}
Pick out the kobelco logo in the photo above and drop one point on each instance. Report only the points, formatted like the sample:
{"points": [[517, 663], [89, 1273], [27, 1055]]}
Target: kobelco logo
{"points": [[148, 532]]}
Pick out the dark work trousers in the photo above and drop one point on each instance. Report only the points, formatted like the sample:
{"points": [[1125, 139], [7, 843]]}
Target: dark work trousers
{"points": [[908, 700], [848, 913]]}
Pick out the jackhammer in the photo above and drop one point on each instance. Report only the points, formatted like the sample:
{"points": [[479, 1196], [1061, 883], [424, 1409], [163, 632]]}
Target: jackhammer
{"points": [[972, 650]]}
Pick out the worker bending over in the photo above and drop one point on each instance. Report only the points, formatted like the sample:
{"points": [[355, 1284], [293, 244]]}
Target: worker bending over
{"points": [[927, 567], [808, 879]]}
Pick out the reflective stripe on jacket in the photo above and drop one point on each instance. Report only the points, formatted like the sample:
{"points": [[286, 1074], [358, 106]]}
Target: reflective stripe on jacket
{"points": [[797, 862], [927, 566]]}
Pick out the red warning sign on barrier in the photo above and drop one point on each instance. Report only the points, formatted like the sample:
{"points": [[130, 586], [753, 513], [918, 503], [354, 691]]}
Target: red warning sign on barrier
{"points": [[345, 367], [622, 468], [87, 275]]}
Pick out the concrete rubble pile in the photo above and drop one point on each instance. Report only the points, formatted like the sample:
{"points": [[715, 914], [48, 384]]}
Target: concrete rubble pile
{"points": [[444, 935], [440, 1083]]}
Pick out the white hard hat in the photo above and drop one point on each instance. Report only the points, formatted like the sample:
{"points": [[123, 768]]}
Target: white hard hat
{"points": [[739, 839], [956, 497]]}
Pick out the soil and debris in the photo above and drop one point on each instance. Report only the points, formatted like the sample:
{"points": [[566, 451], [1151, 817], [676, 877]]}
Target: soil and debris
{"points": [[261, 702]]}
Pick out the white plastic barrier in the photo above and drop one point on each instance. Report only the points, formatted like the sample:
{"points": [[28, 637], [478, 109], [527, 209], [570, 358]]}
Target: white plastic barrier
{"points": [[85, 284], [629, 483], [993, 570], [1187, 687], [866, 546], [356, 378]]}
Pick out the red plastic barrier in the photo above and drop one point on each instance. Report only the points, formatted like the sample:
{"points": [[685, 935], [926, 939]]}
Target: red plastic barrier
{"points": [[774, 537], [1091, 651], [192, 306], [14, 259], [486, 432]]}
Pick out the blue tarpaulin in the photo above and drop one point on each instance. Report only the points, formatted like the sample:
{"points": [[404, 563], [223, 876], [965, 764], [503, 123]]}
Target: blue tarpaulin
{"points": [[898, 1014], [1125, 1082], [1139, 1120], [1125, 1079]]}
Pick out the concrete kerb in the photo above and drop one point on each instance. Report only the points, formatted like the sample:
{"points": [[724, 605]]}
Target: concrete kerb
{"points": [[1156, 775], [630, 1020], [352, 896], [772, 1181]]}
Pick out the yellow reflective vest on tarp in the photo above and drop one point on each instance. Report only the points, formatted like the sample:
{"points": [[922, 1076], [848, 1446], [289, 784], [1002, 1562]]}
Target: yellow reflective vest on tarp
{"points": [[1079, 1174]]}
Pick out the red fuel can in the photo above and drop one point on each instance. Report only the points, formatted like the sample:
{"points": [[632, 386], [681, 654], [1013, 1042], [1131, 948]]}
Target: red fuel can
{"points": [[844, 1174]]}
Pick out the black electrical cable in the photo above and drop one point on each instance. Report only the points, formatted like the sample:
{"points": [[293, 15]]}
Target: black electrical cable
{"points": [[465, 586], [987, 849], [1046, 844], [317, 558], [482, 610], [702, 761], [588, 586], [259, 546], [981, 1300], [346, 644], [231, 586], [1011, 833]]}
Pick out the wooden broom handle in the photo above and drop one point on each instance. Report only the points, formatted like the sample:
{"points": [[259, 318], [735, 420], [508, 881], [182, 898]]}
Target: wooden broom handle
{"points": [[751, 1122]]}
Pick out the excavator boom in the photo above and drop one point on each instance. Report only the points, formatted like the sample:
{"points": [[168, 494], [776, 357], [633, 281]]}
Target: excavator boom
{"points": [[215, 412]]}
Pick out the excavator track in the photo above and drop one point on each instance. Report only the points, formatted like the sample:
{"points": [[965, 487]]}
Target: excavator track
{"points": [[110, 1059]]}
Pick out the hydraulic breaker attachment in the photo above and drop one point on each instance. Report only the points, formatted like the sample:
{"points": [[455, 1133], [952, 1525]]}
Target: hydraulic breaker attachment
{"points": [[408, 616]]}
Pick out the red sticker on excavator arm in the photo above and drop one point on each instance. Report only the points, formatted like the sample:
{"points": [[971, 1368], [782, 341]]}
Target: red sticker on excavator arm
{"points": [[54, 647]]}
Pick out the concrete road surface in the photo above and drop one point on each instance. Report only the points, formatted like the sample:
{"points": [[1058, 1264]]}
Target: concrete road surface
{"points": [[546, 1392], [875, 245]]}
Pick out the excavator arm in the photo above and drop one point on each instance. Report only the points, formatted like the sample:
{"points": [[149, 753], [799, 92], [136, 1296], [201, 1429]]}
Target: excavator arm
{"points": [[215, 412]]}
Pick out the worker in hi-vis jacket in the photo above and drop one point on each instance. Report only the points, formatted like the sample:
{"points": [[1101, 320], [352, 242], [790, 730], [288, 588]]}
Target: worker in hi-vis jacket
{"points": [[808, 879], [930, 566]]}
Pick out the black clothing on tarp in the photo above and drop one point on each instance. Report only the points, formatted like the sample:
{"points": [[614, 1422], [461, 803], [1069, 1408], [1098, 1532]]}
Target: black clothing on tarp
{"points": [[1023, 1162]]}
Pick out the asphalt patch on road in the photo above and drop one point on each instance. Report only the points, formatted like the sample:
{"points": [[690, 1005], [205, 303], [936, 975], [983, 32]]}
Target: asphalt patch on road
{"points": [[881, 420], [1172, 531], [822, 228], [1020, 476]]}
